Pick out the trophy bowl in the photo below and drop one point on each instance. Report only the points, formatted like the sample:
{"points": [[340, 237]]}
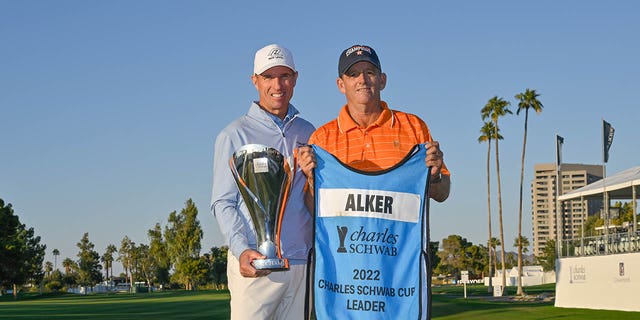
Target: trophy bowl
{"points": [[264, 177]]}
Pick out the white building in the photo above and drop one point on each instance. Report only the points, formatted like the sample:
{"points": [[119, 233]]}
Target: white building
{"points": [[531, 276]]}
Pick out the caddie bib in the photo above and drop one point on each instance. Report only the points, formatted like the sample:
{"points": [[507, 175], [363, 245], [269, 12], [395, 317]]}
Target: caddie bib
{"points": [[370, 240]]}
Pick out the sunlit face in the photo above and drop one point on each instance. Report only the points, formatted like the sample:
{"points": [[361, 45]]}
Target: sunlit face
{"points": [[275, 87], [362, 84]]}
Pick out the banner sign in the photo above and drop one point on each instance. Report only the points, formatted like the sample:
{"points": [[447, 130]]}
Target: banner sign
{"points": [[370, 240], [607, 133], [559, 143]]}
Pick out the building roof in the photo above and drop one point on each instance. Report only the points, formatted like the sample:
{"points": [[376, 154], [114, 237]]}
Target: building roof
{"points": [[618, 186]]}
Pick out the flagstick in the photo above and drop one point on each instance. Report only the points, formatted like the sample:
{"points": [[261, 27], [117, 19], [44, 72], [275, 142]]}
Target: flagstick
{"points": [[584, 219], [635, 211], [606, 208]]}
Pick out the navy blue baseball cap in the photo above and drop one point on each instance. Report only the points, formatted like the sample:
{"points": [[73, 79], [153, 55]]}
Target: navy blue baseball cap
{"points": [[355, 54]]}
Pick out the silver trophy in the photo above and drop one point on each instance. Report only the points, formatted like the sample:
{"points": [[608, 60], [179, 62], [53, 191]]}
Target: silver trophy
{"points": [[264, 177]]}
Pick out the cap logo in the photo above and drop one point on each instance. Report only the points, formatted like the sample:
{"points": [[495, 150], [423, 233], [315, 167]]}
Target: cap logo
{"points": [[358, 50], [275, 54]]}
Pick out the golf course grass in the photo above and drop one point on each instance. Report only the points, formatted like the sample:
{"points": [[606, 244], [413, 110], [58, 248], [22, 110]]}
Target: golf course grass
{"points": [[448, 304], [157, 305]]}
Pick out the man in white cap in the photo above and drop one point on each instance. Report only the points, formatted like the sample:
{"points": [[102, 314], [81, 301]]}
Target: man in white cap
{"points": [[274, 122]]}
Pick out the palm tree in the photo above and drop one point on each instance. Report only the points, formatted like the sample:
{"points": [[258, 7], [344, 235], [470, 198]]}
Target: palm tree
{"points": [[527, 100], [56, 253], [524, 244], [107, 258], [487, 133], [68, 265], [125, 256], [48, 268], [495, 242], [494, 109], [524, 241]]}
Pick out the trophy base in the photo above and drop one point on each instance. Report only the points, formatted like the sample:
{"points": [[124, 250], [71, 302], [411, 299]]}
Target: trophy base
{"points": [[271, 264]]}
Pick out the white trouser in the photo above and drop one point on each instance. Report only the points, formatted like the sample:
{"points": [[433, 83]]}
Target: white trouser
{"points": [[278, 296]]}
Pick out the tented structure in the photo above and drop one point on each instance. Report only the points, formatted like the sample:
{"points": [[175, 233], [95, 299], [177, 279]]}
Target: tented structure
{"points": [[622, 185]]}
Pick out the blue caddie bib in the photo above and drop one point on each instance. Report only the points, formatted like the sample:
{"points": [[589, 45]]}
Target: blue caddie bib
{"points": [[370, 239]]}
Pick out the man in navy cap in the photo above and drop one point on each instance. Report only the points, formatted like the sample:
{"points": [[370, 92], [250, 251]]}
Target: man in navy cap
{"points": [[369, 136]]}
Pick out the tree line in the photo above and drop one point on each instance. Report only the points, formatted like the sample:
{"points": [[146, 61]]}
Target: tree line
{"points": [[170, 259]]}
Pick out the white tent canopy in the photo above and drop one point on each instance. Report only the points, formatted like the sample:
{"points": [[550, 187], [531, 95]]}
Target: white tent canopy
{"points": [[618, 186]]}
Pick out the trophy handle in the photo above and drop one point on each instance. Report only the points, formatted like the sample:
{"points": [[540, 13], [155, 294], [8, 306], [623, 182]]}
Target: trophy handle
{"points": [[287, 187], [241, 181]]}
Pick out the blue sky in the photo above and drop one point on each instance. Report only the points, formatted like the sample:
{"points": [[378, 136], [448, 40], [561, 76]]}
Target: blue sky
{"points": [[110, 109]]}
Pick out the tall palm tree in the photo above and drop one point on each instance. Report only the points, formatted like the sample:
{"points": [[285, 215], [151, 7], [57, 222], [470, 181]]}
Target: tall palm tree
{"points": [[494, 110], [527, 100], [56, 253], [487, 133]]}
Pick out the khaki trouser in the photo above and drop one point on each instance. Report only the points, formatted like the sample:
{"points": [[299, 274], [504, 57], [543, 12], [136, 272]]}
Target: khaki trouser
{"points": [[278, 296]]}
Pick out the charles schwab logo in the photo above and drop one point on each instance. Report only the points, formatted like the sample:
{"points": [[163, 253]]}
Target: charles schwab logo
{"points": [[342, 234], [362, 241]]}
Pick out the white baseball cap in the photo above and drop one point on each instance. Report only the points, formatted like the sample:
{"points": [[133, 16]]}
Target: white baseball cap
{"points": [[271, 56]]}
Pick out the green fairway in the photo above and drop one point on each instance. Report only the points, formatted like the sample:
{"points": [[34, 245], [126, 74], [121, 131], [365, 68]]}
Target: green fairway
{"points": [[448, 304], [450, 308], [157, 305]]}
